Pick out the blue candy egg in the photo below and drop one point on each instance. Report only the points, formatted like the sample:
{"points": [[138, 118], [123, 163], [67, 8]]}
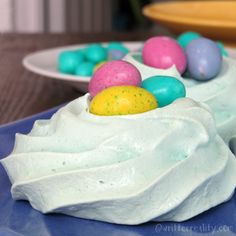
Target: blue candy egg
{"points": [[85, 69], [185, 38], [166, 89], [95, 53], [69, 60], [115, 54], [204, 59]]}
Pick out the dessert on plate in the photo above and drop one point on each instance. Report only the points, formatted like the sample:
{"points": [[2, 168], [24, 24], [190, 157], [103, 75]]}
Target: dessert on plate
{"points": [[128, 152], [217, 92], [167, 164]]}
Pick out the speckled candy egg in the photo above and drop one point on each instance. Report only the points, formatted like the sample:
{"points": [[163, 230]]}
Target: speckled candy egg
{"points": [[166, 89], [185, 38], [163, 52], [122, 100], [222, 49], [114, 73], [85, 69], [117, 46], [69, 60], [115, 54], [95, 53], [204, 59], [97, 66]]}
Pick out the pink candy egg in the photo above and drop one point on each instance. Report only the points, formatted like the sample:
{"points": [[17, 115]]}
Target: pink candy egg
{"points": [[163, 52], [114, 73]]}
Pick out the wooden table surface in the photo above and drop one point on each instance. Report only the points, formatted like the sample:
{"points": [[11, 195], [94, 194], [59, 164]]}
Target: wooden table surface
{"points": [[23, 93]]}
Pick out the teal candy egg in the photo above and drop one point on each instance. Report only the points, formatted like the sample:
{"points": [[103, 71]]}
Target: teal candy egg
{"points": [[81, 51], [96, 53], [185, 38], [166, 89], [68, 61], [117, 46], [222, 49], [84, 69]]}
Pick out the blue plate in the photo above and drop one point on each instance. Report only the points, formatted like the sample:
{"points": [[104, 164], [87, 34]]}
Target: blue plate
{"points": [[19, 218]]}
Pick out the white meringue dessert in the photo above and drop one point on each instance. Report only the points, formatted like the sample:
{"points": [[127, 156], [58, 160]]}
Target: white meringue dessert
{"points": [[218, 93], [168, 164]]}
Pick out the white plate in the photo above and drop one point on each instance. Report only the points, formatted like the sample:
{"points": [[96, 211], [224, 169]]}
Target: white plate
{"points": [[45, 63]]}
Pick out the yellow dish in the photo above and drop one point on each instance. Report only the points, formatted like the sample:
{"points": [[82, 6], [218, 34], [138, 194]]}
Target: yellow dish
{"points": [[213, 19]]}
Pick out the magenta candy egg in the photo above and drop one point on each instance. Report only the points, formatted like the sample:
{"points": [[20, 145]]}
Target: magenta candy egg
{"points": [[163, 52], [114, 73]]}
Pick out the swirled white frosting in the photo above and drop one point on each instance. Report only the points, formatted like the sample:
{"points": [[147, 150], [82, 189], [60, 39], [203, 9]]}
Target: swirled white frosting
{"points": [[219, 93], [165, 164]]}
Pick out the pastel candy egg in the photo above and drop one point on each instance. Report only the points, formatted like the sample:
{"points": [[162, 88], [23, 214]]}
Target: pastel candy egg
{"points": [[222, 49], [69, 60], [204, 59], [185, 38], [163, 52], [166, 89], [98, 65], [114, 73], [81, 51], [96, 53], [115, 54], [84, 69], [117, 46], [122, 100]]}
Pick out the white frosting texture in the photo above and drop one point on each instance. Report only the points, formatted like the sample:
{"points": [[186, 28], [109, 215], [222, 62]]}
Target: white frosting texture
{"points": [[168, 164], [219, 93]]}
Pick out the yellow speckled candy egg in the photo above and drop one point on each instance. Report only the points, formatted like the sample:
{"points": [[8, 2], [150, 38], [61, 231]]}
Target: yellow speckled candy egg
{"points": [[97, 66], [122, 100]]}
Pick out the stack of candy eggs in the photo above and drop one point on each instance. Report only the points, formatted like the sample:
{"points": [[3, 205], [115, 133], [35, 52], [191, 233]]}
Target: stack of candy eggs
{"points": [[185, 38], [199, 57], [85, 61], [204, 56], [116, 88]]}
